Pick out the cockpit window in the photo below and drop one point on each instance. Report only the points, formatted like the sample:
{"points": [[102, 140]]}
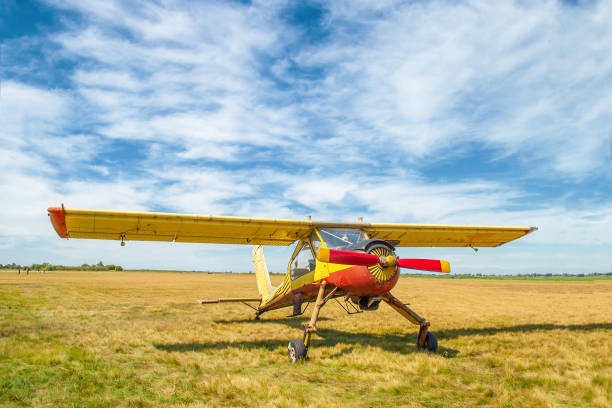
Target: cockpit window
{"points": [[303, 262], [341, 237]]}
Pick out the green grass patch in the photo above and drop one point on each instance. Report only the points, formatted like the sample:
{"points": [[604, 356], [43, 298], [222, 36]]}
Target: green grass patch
{"points": [[137, 339]]}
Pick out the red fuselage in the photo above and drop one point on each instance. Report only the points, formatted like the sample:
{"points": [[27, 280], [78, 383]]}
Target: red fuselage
{"points": [[359, 280]]}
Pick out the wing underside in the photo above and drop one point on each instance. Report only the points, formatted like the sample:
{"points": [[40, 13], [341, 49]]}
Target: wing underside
{"points": [[149, 226]]}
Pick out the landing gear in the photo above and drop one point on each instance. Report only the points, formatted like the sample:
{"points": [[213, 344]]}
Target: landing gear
{"points": [[296, 350], [426, 340]]}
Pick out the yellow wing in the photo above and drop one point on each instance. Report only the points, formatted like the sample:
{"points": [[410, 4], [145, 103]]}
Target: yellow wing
{"points": [[411, 235], [150, 226]]}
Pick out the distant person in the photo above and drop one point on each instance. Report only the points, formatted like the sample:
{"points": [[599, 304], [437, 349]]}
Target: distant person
{"points": [[19, 271], [27, 271]]}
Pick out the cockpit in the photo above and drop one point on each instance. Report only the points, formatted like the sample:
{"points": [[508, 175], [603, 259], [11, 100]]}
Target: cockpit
{"points": [[303, 261], [338, 238]]}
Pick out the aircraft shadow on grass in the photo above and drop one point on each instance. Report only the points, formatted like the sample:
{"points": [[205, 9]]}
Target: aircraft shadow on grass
{"points": [[451, 333], [327, 337], [295, 322], [489, 331]]}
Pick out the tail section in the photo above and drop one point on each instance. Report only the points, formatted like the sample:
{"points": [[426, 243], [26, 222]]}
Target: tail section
{"points": [[261, 273]]}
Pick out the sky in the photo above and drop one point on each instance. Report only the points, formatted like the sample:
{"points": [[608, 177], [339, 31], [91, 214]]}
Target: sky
{"points": [[429, 112]]}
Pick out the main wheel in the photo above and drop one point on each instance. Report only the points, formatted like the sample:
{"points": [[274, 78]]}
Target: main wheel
{"points": [[431, 342], [296, 350]]}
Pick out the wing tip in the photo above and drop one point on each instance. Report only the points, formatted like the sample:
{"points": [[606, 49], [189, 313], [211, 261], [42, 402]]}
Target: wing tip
{"points": [[58, 220]]}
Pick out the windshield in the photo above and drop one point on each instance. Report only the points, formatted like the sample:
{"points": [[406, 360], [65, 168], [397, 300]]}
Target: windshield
{"points": [[341, 237]]}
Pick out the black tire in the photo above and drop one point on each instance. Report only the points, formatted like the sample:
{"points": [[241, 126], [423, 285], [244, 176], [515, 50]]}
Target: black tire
{"points": [[296, 350], [431, 342]]}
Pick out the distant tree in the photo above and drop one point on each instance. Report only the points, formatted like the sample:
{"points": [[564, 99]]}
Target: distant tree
{"points": [[46, 266]]}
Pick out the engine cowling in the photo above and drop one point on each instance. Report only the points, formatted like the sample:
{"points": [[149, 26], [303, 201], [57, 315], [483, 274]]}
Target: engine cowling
{"points": [[382, 271]]}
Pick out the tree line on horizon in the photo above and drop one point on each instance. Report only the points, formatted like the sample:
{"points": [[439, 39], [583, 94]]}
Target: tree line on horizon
{"points": [[46, 266]]}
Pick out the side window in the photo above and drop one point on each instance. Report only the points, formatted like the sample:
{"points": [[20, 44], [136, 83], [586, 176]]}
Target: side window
{"points": [[303, 262]]}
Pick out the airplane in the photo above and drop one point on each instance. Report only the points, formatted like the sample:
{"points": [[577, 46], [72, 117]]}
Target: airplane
{"points": [[351, 260]]}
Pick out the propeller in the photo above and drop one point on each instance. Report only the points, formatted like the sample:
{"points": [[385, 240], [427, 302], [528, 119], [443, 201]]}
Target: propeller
{"points": [[338, 256], [431, 265]]}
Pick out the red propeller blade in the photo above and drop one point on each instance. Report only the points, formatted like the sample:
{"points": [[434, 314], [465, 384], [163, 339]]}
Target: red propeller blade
{"points": [[431, 265], [346, 257]]}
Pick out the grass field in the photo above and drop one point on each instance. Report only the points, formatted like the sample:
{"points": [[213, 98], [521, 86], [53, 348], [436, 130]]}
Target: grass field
{"points": [[88, 339]]}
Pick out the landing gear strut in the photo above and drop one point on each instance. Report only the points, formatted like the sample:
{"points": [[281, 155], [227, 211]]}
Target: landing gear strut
{"points": [[298, 349], [426, 340]]}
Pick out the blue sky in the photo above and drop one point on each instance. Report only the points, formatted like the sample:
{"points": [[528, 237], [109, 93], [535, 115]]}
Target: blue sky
{"points": [[417, 112]]}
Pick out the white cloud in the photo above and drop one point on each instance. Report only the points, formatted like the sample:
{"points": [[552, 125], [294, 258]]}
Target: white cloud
{"points": [[182, 77], [409, 80], [28, 112], [107, 79], [396, 86], [524, 78]]}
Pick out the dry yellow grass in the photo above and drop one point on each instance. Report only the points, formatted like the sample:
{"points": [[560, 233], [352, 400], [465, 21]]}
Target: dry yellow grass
{"points": [[140, 339]]}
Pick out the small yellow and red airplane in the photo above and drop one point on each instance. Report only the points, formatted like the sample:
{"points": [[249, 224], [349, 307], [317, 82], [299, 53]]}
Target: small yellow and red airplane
{"points": [[356, 261]]}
